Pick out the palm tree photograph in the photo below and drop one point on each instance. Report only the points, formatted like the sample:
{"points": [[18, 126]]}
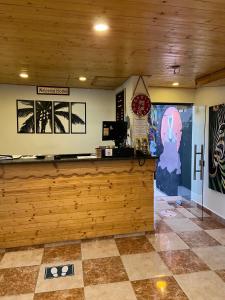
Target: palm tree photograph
{"points": [[78, 117], [44, 120], [61, 117], [25, 116]]}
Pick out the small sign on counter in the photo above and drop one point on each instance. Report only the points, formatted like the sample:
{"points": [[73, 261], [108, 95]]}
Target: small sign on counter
{"points": [[108, 152]]}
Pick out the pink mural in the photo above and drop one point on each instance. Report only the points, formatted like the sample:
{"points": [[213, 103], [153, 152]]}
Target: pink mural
{"points": [[171, 133]]}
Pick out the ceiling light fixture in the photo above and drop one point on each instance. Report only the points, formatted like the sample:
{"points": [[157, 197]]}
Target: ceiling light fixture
{"points": [[175, 83], [101, 27], [24, 75], [82, 78], [175, 68]]}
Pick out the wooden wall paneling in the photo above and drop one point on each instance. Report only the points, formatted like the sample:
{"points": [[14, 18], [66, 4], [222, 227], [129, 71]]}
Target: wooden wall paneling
{"points": [[45, 202]]}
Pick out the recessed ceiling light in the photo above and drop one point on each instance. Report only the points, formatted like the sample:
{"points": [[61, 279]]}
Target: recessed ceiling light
{"points": [[175, 83], [82, 78], [24, 75], [101, 27]]}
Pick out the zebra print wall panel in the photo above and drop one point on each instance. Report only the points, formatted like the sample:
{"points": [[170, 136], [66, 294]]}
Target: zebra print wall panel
{"points": [[217, 148]]}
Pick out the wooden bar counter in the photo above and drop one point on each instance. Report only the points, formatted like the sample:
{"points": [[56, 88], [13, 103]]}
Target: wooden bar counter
{"points": [[50, 201]]}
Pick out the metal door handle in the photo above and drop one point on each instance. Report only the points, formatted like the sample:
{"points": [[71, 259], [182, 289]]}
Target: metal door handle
{"points": [[201, 162]]}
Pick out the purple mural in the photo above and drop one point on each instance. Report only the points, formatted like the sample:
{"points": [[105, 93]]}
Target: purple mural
{"points": [[171, 133], [170, 138]]}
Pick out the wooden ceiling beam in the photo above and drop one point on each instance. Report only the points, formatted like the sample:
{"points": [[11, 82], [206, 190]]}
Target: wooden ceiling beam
{"points": [[203, 80]]}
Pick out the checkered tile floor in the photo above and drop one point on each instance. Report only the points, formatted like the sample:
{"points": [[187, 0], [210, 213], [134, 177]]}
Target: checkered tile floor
{"points": [[183, 259]]}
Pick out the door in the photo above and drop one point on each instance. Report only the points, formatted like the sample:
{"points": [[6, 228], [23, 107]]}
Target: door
{"points": [[198, 156]]}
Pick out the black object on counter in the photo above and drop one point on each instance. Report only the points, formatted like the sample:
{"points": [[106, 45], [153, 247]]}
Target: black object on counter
{"points": [[120, 152], [116, 131], [40, 156]]}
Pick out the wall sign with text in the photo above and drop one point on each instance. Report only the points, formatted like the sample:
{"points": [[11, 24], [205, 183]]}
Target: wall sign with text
{"points": [[52, 90]]}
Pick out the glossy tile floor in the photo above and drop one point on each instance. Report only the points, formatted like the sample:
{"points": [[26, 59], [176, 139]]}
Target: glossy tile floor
{"points": [[183, 259]]}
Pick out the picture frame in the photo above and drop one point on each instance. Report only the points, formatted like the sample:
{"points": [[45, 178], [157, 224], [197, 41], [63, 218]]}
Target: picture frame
{"points": [[25, 116], [44, 117], [47, 117], [216, 154], [120, 105], [61, 117], [78, 118]]}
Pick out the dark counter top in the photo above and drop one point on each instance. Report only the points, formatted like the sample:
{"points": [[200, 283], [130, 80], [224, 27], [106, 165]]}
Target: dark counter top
{"points": [[52, 160]]}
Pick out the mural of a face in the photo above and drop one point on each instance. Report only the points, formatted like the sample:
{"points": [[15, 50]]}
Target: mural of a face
{"points": [[171, 133], [171, 127]]}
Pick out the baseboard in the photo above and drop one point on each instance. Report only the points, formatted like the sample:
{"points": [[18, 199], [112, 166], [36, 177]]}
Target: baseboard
{"points": [[211, 213]]}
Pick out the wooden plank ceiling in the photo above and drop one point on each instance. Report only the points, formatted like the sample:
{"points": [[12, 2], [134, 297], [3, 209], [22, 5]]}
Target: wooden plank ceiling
{"points": [[54, 41]]}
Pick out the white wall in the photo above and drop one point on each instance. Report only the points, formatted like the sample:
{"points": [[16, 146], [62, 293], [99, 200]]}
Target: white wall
{"points": [[174, 95], [210, 96], [157, 94], [100, 107]]}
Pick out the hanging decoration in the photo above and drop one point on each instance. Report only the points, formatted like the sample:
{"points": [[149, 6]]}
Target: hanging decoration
{"points": [[141, 106], [141, 103]]}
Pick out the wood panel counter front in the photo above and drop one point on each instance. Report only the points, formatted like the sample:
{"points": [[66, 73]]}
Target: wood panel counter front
{"points": [[65, 200]]}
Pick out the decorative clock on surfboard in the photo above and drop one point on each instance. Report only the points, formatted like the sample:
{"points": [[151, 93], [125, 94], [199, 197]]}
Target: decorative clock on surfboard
{"points": [[141, 105]]}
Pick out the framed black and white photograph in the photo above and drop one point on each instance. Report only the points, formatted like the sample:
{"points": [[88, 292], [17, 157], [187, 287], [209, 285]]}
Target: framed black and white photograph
{"points": [[78, 117], [25, 116], [44, 118], [217, 148], [61, 117]]}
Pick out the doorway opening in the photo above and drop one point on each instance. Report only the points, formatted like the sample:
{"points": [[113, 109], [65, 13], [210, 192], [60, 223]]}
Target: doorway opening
{"points": [[172, 139]]}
